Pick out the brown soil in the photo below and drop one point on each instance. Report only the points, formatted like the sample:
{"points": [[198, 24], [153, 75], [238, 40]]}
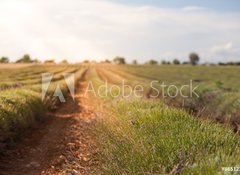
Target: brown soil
{"points": [[63, 144]]}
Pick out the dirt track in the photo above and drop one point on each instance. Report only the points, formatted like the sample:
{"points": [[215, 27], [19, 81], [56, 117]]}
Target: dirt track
{"points": [[62, 144]]}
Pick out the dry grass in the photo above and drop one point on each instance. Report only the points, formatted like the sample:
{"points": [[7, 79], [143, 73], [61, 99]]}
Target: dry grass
{"points": [[13, 66]]}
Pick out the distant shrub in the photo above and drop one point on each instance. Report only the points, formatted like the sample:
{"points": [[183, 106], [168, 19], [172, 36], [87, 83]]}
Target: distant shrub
{"points": [[35, 61], [135, 62], [49, 62], [86, 61], [119, 60], [194, 58], [25, 59], [4, 60], [163, 62], [229, 64], [64, 62], [106, 61], [152, 62], [176, 62]]}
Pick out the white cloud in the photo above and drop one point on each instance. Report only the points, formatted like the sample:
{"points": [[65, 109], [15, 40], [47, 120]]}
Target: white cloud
{"points": [[226, 52], [226, 47], [80, 29], [193, 8]]}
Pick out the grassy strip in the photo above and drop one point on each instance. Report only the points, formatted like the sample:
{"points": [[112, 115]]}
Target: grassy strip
{"points": [[218, 88], [147, 137], [18, 79], [20, 108]]}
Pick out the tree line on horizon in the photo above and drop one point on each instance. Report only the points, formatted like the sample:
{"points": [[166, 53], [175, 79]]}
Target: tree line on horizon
{"points": [[193, 60], [27, 59]]}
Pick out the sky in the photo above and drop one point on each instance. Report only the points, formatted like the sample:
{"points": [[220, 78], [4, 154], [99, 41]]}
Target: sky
{"points": [[219, 5], [135, 29]]}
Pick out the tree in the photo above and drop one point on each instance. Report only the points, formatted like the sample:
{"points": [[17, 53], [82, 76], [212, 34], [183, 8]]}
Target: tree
{"points": [[176, 62], [64, 62], [4, 60], [152, 62], [35, 61], [119, 60], [163, 62], [194, 58], [86, 61], [25, 59], [135, 62], [229, 63], [107, 61]]}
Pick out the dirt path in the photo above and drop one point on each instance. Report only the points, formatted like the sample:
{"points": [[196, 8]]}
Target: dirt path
{"points": [[61, 145]]}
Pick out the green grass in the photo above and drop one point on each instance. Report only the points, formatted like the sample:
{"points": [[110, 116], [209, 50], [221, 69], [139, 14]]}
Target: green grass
{"points": [[144, 136], [19, 109], [218, 87], [147, 137]]}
